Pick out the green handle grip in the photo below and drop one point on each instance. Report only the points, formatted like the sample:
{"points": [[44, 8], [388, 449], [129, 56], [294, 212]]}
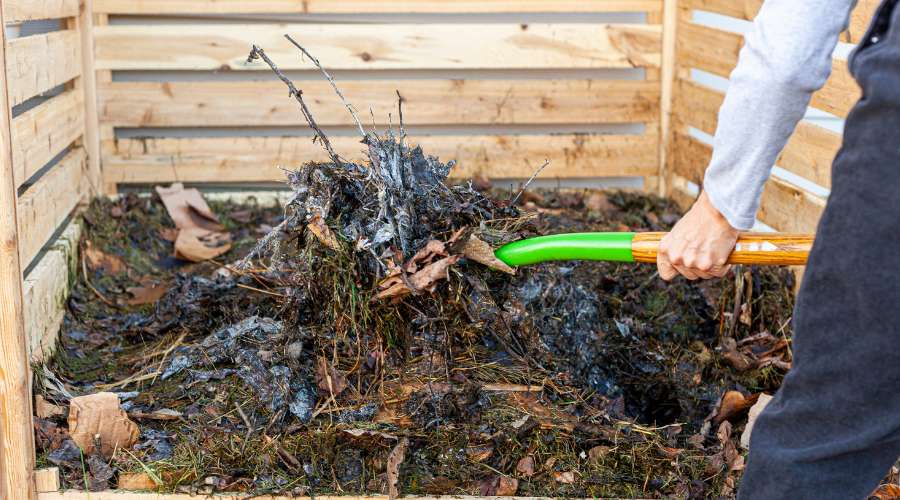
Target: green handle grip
{"points": [[610, 247]]}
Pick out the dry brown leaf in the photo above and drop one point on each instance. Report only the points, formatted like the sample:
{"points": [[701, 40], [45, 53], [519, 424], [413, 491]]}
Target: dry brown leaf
{"points": [[323, 233], [481, 252], [371, 433], [161, 414], [567, 477], [598, 452], [526, 466], [732, 405], [887, 492], [100, 414], [187, 208], [423, 280], [198, 245], [136, 481], [149, 292], [329, 379], [498, 486], [99, 260], [46, 409], [755, 410], [394, 461], [479, 453]]}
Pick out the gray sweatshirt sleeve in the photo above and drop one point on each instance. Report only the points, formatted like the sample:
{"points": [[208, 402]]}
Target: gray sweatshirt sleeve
{"points": [[786, 57]]}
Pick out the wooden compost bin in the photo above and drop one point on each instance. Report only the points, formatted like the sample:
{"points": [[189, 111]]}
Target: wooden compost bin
{"points": [[499, 85]]}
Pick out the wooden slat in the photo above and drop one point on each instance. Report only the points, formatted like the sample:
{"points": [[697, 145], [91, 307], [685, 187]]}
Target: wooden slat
{"points": [[46, 289], [16, 11], [716, 51], [155, 7], [84, 23], [789, 208], [808, 153], [187, 104], [46, 480], [257, 159], [43, 132], [38, 63], [46, 205], [747, 9], [377, 46], [690, 157]]}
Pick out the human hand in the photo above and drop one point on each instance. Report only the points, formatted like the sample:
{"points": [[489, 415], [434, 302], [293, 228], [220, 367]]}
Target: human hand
{"points": [[699, 245]]}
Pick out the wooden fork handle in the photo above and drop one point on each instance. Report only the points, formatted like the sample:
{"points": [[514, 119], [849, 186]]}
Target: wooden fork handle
{"points": [[765, 249]]}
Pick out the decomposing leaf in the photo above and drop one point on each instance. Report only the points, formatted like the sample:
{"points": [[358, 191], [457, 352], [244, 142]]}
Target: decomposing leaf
{"points": [[479, 251], [498, 486], [598, 452], [100, 415], [46, 409], [479, 453], [732, 405], [755, 410], [329, 379], [323, 233], [198, 245], [567, 477], [99, 260], [187, 208], [423, 280], [148, 292], [526, 466], [394, 461], [138, 481]]}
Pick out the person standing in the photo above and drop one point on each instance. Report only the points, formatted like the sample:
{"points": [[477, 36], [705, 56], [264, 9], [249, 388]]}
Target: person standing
{"points": [[833, 429]]}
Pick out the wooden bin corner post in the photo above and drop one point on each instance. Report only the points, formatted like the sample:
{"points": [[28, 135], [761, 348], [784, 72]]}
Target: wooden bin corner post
{"points": [[667, 88], [16, 438]]}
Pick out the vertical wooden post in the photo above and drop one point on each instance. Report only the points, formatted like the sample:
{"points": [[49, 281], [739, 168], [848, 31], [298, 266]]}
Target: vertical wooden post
{"points": [[85, 25], [667, 79], [16, 436]]}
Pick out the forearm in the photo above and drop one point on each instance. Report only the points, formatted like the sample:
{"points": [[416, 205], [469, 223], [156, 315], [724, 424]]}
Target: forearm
{"points": [[786, 57]]}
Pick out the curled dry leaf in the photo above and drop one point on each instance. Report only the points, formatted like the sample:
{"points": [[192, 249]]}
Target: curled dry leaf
{"points": [[481, 252], [329, 379], [99, 260], [187, 208], [732, 405], [198, 245], [148, 292], [567, 477], [498, 486], [526, 466], [394, 461], [46, 409], [479, 453], [425, 279], [100, 414], [323, 233]]}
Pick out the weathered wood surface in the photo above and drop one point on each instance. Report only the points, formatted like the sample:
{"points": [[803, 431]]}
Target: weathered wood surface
{"points": [[716, 52], [16, 429], [84, 23], [43, 132], [789, 208], [46, 290], [445, 102], [244, 159], [162, 7], [378, 46], [46, 204], [16, 11], [690, 157], [46, 479], [38, 63]]}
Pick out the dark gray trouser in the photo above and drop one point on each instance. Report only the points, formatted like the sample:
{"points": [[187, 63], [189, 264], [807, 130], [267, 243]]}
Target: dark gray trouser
{"points": [[833, 430]]}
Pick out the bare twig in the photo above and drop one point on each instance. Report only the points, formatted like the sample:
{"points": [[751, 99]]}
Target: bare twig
{"points": [[331, 81], [533, 176], [259, 53], [400, 112]]}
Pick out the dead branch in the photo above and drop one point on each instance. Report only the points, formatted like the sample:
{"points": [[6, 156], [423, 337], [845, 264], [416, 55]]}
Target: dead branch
{"points": [[533, 176]]}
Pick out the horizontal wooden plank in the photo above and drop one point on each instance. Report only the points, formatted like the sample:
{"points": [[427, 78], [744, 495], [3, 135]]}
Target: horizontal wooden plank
{"points": [[190, 104], [41, 133], [258, 159], [789, 208], [38, 63], [46, 205], [45, 291], [808, 153], [169, 7], [716, 52], [379, 46], [860, 20], [690, 157], [17, 11]]}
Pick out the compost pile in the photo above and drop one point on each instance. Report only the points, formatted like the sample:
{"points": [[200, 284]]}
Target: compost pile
{"points": [[364, 340]]}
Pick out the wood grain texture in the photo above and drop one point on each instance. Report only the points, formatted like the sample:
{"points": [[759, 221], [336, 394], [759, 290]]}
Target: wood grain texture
{"points": [[154, 7], [245, 159], [46, 479], [690, 157], [48, 203], [789, 208], [37, 63], [43, 132], [445, 102], [379, 46], [16, 429], [667, 93], [762, 249], [88, 83], [697, 105], [716, 51], [46, 290], [16, 11]]}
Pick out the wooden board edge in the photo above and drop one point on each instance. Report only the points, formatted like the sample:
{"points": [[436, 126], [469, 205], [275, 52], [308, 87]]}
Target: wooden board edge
{"points": [[18, 11]]}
